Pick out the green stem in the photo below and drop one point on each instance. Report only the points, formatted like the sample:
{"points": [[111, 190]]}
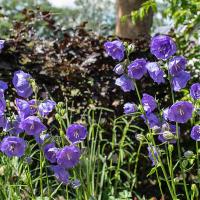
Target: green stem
{"points": [[154, 144], [198, 165], [181, 166], [41, 182]]}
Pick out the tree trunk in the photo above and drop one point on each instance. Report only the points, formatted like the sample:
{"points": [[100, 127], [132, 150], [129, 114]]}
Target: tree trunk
{"points": [[127, 29]]}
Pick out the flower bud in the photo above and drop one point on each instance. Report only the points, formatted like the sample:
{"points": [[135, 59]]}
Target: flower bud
{"points": [[195, 190], [170, 148], [188, 154], [118, 69], [140, 137], [168, 135]]}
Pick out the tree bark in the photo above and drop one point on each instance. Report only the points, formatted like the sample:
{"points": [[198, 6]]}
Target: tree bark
{"points": [[127, 29]]}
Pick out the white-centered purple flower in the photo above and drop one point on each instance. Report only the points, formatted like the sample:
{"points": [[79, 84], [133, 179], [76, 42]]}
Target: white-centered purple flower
{"points": [[177, 64], [195, 91], [180, 80], [149, 103], [46, 107], [118, 69], [32, 126], [13, 126], [68, 156], [153, 153], [129, 108], [3, 85], [60, 173], [163, 47], [125, 83], [76, 133], [115, 49], [180, 112], [155, 72], [50, 152], [21, 82], [137, 68], [13, 146]]}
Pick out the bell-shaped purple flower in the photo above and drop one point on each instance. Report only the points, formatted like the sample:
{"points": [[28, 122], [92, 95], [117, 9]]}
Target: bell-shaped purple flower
{"points": [[180, 80], [22, 84], [2, 103], [195, 133], [3, 85], [153, 153], [33, 106], [153, 120], [32, 126], [137, 68], [46, 107], [155, 72], [23, 108], [13, 126], [165, 113], [177, 64], [13, 146], [195, 91], [60, 173], [68, 156], [50, 152], [118, 69], [162, 46], [125, 83], [180, 112], [115, 49], [149, 103], [76, 133], [129, 108]]}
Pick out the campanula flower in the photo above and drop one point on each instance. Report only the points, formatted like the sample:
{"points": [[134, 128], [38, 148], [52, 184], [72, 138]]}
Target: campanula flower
{"points": [[162, 46], [177, 64], [137, 68], [115, 49], [68, 156], [195, 133], [60, 173], [180, 112], [46, 107], [76, 133], [50, 152], [13, 146], [21, 82], [40, 139], [2, 103], [153, 120], [13, 126], [118, 69], [3, 85], [129, 108], [23, 108], [195, 91], [180, 80], [125, 83], [149, 103], [155, 72], [32, 126]]}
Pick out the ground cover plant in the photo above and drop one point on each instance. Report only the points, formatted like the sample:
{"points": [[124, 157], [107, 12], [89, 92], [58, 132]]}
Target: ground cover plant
{"points": [[75, 124]]}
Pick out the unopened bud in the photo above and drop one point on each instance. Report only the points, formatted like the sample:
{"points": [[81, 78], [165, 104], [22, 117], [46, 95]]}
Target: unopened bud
{"points": [[140, 137], [188, 154], [168, 135]]}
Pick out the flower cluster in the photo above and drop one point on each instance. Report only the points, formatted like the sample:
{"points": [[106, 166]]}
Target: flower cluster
{"points": [[169, 66], [29, 121]]}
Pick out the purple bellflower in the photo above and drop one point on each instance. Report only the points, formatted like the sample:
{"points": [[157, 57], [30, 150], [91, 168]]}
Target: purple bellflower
{"points": [[177, 64], [180, 80], [46, 107], [195, 91], [60, 173], [125, 83], [195, 133], [129, 108], [149, 103]]}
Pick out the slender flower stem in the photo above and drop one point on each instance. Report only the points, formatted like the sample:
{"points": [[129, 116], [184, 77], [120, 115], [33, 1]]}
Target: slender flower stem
{"points": [[41, 182], [154, 144], [198, 165]]}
